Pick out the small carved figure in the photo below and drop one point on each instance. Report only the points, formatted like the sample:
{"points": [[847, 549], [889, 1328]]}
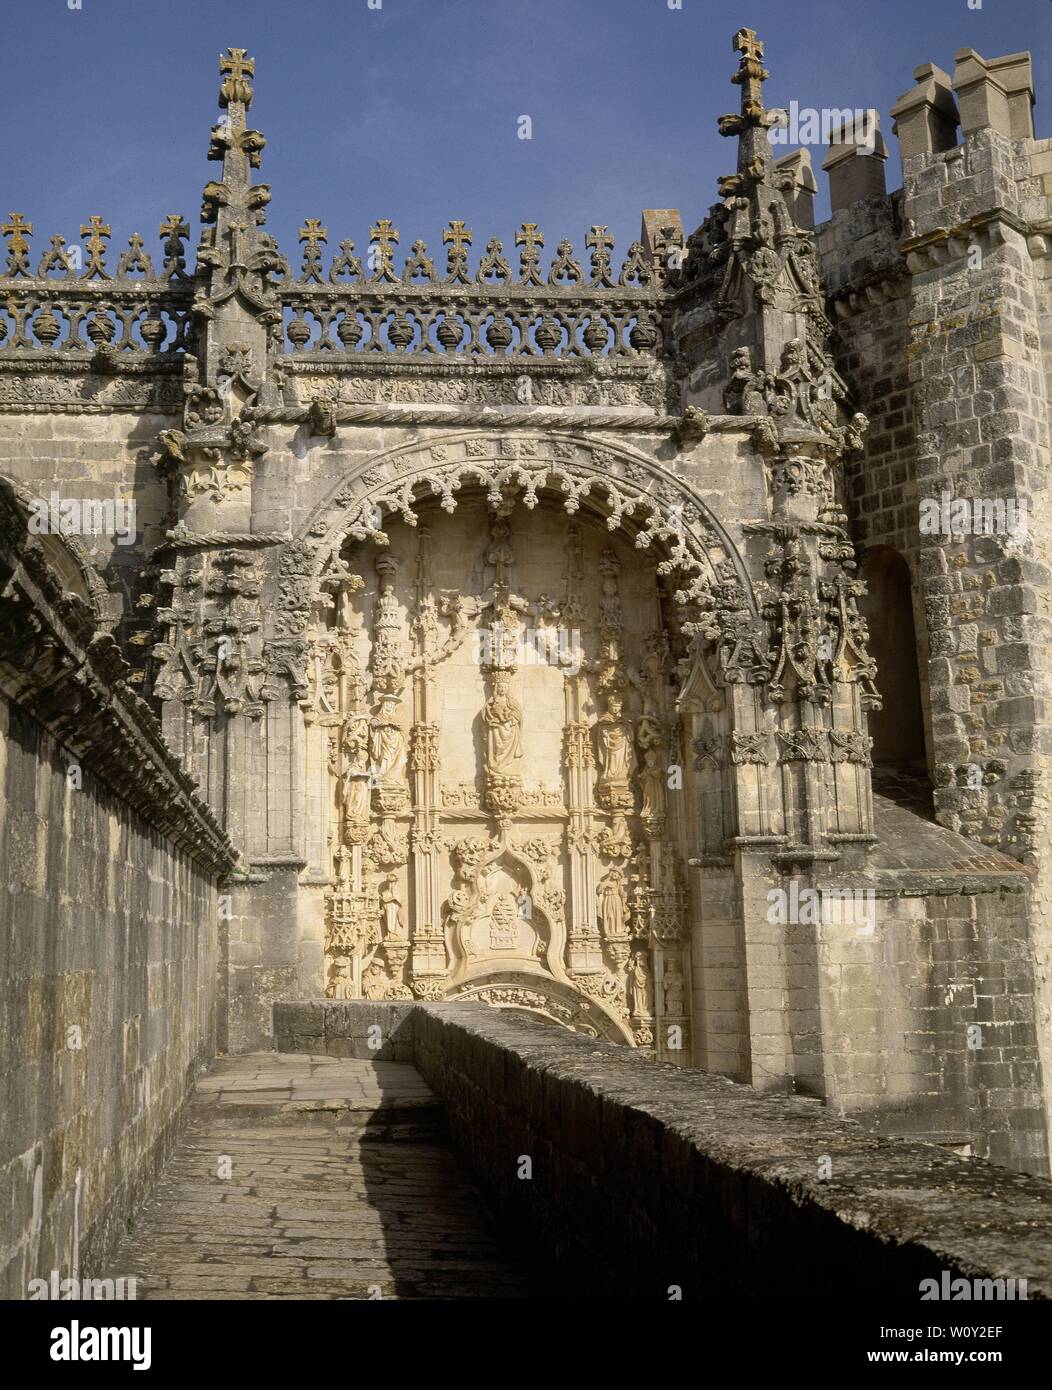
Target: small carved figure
{"points": [[340, 985], [744, 394], [388, 744], [640, 987], [613, 910], [673, 980], [615, 754], [391, 910], [374, 981], [652, 782], [611, 619], [503, 719], [354, 780], [461, 610]]}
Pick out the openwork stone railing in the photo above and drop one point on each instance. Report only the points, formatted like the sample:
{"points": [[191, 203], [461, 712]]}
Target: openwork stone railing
{"points": [[70, 302], [565, 312]]}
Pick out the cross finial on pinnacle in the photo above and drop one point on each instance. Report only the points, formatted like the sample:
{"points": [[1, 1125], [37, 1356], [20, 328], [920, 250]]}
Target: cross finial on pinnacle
{"points": [[752, 120], [458, 234], [751, 73], [600, 243], [313, 232], [384, 237], [235, 86], [18, 229], [748, 45]]}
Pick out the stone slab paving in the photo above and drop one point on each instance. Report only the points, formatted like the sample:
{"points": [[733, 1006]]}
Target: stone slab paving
{"points": [[339, 1185]]}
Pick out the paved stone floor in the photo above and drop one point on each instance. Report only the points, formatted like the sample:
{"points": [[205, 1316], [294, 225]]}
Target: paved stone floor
{"points": [[340, 1186]]}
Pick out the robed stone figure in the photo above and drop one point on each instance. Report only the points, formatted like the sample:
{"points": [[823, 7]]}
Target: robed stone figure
{"points": [[502, 716]]}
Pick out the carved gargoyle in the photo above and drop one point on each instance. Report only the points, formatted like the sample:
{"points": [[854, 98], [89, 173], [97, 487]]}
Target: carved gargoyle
{"points": [[692, 425], [322, 417]]}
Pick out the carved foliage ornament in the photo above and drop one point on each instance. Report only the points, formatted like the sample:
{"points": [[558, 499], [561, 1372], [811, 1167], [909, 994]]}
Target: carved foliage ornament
{"points": [[692, 550]]}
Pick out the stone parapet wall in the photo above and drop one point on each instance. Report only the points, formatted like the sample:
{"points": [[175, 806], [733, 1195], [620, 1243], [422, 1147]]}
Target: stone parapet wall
{"points": [[646, 1179], [381, 1031]]}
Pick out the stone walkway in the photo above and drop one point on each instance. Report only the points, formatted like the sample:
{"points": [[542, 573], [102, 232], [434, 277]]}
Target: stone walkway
{"points": [[338, 1184]]}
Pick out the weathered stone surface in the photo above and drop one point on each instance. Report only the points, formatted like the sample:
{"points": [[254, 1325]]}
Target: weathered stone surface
{"points": [[312, 1177]]}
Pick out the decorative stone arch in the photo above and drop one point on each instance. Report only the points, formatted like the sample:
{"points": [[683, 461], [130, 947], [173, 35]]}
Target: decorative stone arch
{"points": [[68, 558], [545, 998], [618, 484], [616, 488]]}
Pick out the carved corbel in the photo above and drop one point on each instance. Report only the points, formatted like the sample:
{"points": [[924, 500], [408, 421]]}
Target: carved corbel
{"points": [[691, 427]]}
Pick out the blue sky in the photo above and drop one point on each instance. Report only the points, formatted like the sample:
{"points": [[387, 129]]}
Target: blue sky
{"points": [[410, 111]]}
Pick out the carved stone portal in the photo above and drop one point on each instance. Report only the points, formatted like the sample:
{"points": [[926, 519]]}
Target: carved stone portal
{"points": [[497, 749]]}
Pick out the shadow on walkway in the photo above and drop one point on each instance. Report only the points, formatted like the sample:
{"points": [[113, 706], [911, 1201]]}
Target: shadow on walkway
{"points": [[315, 1177]]}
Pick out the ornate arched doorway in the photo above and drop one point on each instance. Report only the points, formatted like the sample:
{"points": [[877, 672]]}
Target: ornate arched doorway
{"points": [[492, 696]]}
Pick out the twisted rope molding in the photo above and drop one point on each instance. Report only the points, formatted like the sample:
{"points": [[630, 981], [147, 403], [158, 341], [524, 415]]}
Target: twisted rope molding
{"points": [[204, 540], [545, 417]]}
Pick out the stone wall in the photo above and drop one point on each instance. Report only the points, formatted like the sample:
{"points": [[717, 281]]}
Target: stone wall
{"points": [[932, 1015], [646, 1181], [108, 929], [97, 456]]}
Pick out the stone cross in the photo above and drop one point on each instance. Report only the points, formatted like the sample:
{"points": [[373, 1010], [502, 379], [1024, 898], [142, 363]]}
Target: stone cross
{"points": [[19, 230], [748, 45], [315, 235], [754, 150], [458, 237], [385, 236], [750, 75], [530, 239], [173, 232], [600, 243], [95, 232], [174, 226]]}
